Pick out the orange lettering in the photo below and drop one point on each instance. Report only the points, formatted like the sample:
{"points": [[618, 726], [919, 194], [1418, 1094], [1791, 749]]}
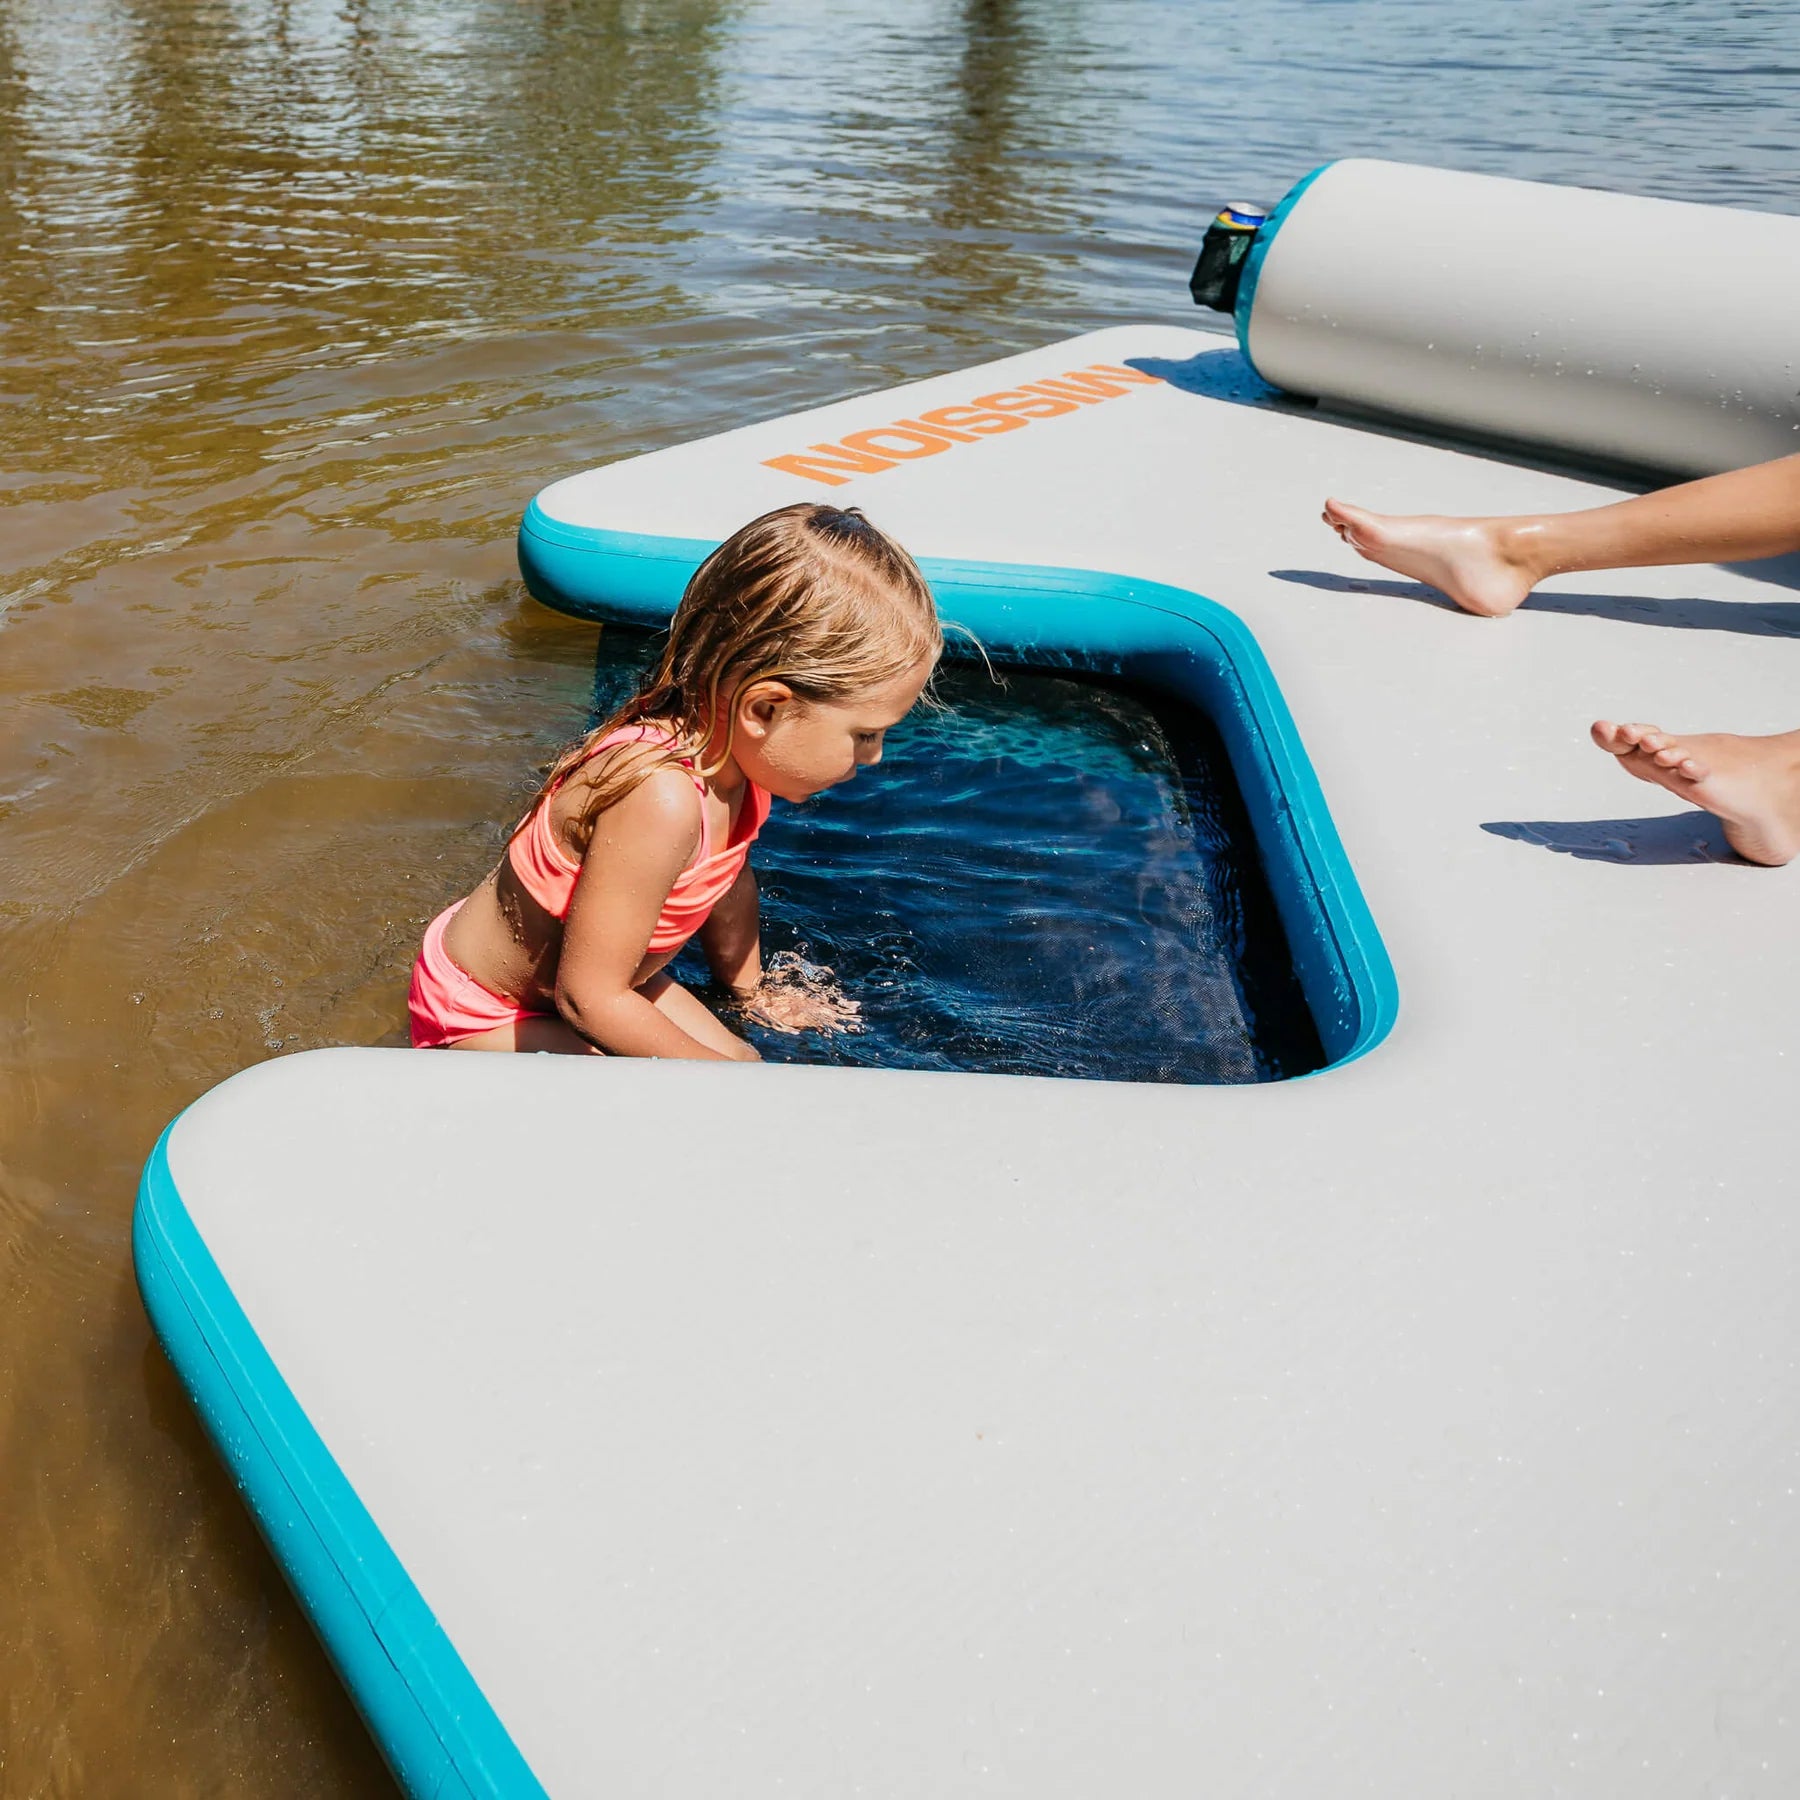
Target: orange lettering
{"points": [[972, 419], [1076, 386], [917, 441], [1118, 374], [829, 463], [1020, 400], [1067, 390], [869, 452], [918, 424]]}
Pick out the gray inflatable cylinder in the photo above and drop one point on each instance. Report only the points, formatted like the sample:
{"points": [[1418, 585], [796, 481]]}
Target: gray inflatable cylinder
{"points": [[1598, 326]]}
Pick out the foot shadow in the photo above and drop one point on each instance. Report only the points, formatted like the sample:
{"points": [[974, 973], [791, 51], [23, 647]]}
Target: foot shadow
{"points": [[1683, 837], [1748, 618]]}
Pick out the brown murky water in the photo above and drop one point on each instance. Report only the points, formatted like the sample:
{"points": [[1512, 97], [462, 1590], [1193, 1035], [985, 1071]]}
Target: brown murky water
{"points": [[299, 303]]}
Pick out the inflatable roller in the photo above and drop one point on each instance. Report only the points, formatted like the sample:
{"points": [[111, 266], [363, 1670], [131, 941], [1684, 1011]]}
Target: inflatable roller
{"points": [[1650, 333]]}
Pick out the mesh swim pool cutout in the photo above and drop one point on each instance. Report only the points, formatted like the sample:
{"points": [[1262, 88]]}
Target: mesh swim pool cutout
{"points": [[1147, 633]]}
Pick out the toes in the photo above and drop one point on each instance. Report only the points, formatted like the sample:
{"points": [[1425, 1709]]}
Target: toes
{"points": [[1656, 753], [1677, 759]]}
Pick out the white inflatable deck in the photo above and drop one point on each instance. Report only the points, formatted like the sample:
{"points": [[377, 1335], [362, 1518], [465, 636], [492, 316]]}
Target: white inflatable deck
{"points": [[1422, 1427]]}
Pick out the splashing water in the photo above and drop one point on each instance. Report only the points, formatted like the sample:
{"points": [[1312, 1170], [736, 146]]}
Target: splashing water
{"points": [[799, 995]]}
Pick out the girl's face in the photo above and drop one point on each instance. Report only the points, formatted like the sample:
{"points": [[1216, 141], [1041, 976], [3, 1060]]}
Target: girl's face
{"points": [[797, 748]]}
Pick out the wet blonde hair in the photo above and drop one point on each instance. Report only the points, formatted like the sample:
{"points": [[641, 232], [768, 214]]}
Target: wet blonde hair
{"points": [[810, 595]]}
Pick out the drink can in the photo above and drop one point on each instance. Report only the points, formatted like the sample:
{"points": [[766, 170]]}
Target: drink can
{"points": [[1243, 215]]}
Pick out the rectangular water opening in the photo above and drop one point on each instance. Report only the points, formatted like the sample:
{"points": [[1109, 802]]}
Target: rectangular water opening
{"points": [[1052, 875]]}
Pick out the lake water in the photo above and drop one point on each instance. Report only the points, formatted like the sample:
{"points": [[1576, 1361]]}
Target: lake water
{"points": [[299, 303]]}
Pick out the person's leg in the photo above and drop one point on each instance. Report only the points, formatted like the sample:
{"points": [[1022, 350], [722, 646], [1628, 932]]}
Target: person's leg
{"points": [[695, 1017], [531, 1033], [1488, 566], [1752, 784], [547, 1034]]}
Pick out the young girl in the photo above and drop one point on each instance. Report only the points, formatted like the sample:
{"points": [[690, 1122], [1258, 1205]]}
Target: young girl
{"points": [[798, 643]]}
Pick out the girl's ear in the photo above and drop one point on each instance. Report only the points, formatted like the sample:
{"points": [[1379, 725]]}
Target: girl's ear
{"points": [[761, 704]]}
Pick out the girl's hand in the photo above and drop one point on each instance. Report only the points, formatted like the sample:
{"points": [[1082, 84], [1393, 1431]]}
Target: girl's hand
{"points": [[797, 995]]}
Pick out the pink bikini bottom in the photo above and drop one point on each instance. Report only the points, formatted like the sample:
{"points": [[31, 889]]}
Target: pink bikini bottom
{"points": [[446, 1003]]}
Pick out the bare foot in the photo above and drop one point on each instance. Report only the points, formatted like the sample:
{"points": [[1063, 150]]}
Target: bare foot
{"points": [[1752, 784], [1471, 560]]}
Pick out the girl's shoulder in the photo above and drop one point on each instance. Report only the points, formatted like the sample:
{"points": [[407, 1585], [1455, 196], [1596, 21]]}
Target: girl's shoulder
{"points": [[665, 801]]}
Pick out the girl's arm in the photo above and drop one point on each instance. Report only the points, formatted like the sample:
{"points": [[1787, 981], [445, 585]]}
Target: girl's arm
{"points": [[732, 938], [639, 848]]}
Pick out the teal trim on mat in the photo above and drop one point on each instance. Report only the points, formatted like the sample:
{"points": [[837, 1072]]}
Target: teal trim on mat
{"points": [[1080, 619], [432, 1721], [1253, 263]]}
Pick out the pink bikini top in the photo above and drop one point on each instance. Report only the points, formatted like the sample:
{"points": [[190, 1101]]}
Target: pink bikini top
{"points": [[548, 876]]}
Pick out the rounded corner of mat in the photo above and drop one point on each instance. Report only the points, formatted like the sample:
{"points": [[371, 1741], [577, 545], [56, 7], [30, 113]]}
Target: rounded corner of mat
{"points": [[603, 574], [430, 1718]]}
